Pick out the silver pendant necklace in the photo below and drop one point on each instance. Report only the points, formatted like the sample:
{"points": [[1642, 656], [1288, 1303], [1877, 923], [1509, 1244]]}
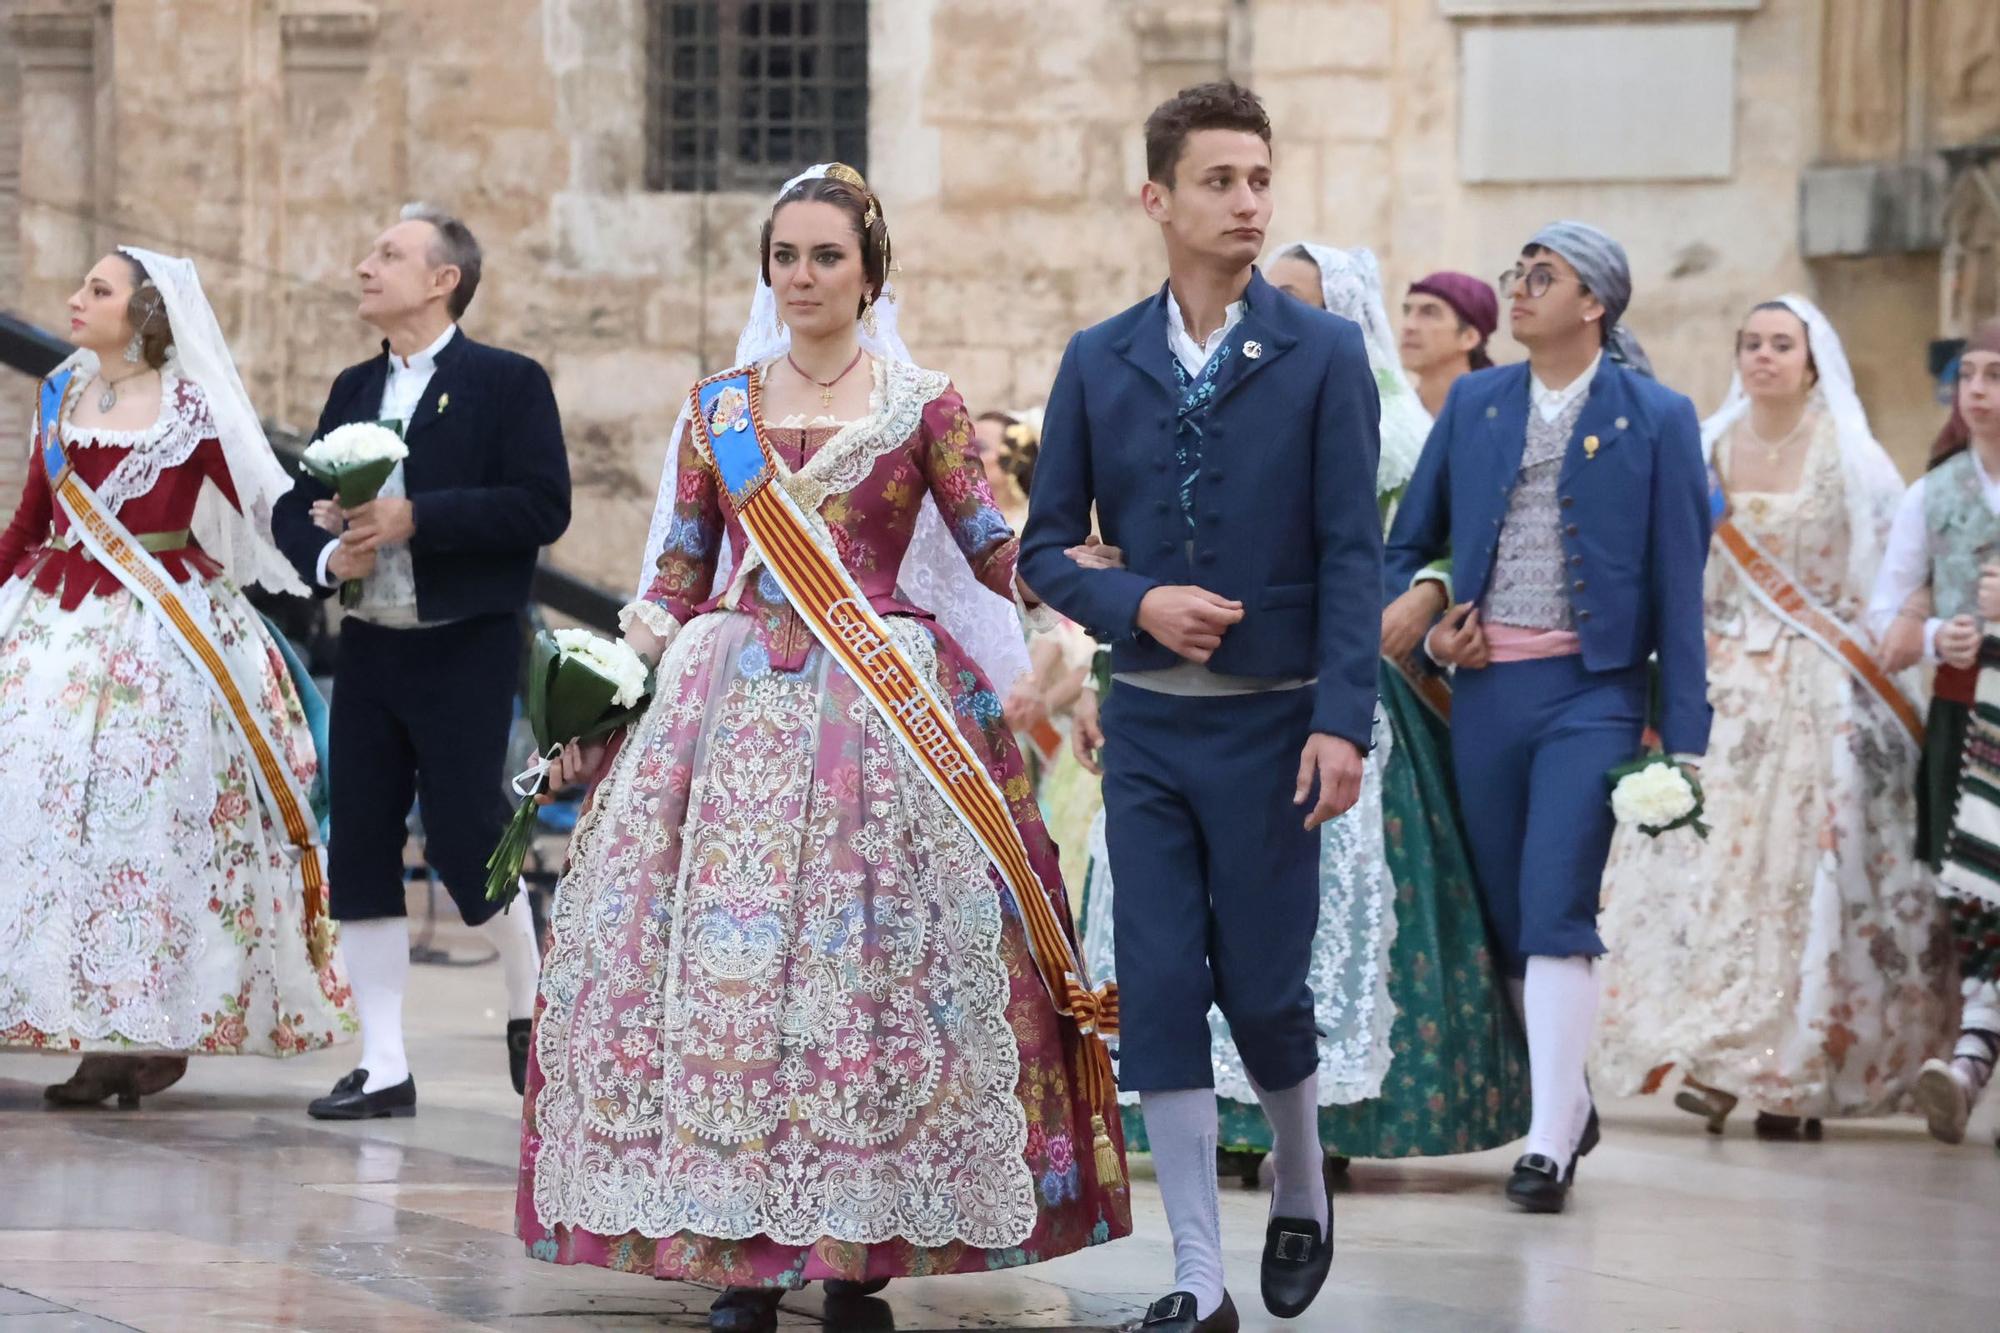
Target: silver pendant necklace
{"points": [[109, 398]]}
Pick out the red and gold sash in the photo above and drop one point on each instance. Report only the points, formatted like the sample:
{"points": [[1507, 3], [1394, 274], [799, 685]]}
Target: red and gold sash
{"points": [[729, 428], [1771, 584], [111, 545]]}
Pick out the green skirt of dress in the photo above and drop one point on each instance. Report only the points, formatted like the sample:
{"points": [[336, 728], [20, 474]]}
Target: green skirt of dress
{"points": [[1459, 1080]]}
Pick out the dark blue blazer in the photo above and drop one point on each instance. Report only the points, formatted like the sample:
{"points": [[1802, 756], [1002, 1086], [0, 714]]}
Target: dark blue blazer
{"points": [[1635, 522], [487, 475], [1288, 523]]}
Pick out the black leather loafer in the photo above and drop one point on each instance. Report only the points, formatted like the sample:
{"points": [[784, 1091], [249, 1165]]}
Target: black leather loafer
{"points": [[1538, 1185], [1296, 1260], [348, 1102], [1174, 1313]]}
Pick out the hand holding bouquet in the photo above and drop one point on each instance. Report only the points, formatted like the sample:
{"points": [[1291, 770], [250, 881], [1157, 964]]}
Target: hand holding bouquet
{"points": [[580, 686], [353, 462], [1656, 795]]}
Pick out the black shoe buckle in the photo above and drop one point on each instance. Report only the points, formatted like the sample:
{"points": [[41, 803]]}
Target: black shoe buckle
{"points": [[1168, 1308], [1293, 1247]]}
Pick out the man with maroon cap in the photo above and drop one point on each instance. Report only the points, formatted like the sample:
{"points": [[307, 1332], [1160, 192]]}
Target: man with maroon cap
{"points": [[1447, 319]]}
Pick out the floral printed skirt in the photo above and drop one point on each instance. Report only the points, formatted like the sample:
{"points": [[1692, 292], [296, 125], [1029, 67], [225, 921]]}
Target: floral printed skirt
{"points": [[150, 902], [790, 1028]]}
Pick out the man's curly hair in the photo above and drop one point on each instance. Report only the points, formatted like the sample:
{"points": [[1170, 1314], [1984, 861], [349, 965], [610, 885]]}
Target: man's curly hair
{"points": [[1224, 105]]}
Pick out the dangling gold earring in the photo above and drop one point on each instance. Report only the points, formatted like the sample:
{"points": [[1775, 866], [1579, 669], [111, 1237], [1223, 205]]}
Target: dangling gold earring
{"points": [[868, 319]]}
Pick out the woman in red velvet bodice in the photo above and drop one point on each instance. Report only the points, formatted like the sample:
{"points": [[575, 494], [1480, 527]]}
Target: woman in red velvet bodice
{"points": [[36, 543], [151, 906]]}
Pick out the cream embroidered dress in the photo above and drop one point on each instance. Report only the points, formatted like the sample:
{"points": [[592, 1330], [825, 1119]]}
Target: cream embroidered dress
{"points": [[1798, 957]]}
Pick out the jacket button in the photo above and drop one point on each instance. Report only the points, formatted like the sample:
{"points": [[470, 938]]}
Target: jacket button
{"points": [[1161, 506], [1568, 501], [1166, 546], [1215, 432], [1214, 478], [1164, 423], [1208, 556], [1577, 586], [1160, 466], [1213, 519], [1583, 615], [1571, 529], [1576, 560]]}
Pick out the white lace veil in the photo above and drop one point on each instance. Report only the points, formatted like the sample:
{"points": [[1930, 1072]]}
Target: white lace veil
{"points": [[1873, 486], [239, 541], [1350, 282], [935, 575]]}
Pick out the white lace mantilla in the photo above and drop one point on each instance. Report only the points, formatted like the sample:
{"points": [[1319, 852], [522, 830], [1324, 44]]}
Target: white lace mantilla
{"points": [[776, 1002], [182, 425]]}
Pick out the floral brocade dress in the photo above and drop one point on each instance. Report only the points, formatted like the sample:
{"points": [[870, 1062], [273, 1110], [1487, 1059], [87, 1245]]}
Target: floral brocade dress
{"points": [[1798, 957], [790, 1027], [151, 904]]}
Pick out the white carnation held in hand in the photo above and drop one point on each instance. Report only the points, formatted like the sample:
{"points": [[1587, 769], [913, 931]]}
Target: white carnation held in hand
{"points": [[355, 444], [1655, 797], [615, 661]]}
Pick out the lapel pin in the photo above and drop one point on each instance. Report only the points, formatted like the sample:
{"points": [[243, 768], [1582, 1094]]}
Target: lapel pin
{"points": [[1590, 446], [444, 401], [1253, 349]]}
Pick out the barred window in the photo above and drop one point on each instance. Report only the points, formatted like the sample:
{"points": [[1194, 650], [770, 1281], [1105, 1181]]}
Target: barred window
{"points": [[741, 94]]}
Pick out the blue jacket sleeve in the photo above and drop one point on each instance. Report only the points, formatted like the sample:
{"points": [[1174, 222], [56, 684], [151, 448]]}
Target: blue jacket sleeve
{"points": [[1347, 444], [529, 507], [1422, 530], [1104, 601], [1680, 523]]}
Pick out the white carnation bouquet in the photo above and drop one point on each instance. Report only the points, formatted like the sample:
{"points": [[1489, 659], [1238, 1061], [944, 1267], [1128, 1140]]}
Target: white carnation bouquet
{"points": [[1656, 795], [580, 686], [353, 461]]}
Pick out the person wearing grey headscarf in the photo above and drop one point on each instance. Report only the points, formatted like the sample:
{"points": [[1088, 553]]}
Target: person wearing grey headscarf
{"points": [[1601, 264], [1571, 494]]}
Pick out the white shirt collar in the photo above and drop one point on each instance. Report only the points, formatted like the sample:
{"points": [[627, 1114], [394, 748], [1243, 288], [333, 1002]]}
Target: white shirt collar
{"points": [[426, 359], [1191, 354], [1552, 403]]}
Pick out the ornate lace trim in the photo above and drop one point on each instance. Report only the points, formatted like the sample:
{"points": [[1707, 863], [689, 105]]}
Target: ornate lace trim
{"points": [[654, 617], [184, 422]]}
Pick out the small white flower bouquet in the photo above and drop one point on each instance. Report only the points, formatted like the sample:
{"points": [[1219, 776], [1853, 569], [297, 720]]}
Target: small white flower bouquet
{"points": [[580, 686], [353, 461], [1656, 795]]}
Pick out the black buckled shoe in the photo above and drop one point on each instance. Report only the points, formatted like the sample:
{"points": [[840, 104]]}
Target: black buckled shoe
{"points": [[1538, 1185], [1296, 1260], [1175, 1313], [745, 1310], [348, 1102], [519, 1033]]}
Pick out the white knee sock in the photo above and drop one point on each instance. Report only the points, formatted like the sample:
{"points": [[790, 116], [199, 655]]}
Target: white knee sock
{"points": [[512, 932], [1561, 1001], [1298, 1161], [378, 967], [1181, 1128]]}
